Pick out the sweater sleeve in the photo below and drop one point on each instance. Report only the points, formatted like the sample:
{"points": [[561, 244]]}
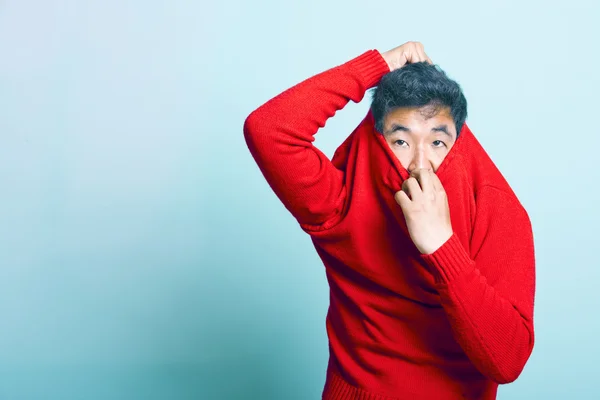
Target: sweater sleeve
{"points": [[279, 135], [489, 299]]}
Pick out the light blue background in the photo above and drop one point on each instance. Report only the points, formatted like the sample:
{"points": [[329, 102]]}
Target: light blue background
{"points": [[142, 254]]}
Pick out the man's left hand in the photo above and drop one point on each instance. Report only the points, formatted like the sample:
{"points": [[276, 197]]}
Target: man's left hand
{"points": [[426, 211]]}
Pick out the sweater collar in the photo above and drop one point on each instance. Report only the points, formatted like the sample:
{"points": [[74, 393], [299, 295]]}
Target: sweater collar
{"points": [[393, 173]]}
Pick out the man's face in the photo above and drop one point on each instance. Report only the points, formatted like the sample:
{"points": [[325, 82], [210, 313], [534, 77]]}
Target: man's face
{"points": [[419, 141]]}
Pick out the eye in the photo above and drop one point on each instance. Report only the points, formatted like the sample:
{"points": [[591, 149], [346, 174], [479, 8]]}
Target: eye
{"points": [[400, 142], [439, 143]]}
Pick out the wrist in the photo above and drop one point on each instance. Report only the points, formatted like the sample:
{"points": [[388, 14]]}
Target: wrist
{"points": [[386, 58], [439, 242]]}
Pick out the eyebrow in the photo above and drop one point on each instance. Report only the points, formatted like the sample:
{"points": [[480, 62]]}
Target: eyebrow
{"points": [[397, 127]]}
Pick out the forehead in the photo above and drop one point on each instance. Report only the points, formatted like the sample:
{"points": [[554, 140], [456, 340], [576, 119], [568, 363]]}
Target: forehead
{"points": [[427, 114], [420, 121]]}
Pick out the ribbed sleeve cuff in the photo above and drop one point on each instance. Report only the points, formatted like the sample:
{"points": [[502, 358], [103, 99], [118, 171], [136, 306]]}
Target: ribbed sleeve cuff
{"points": [[370, 66], [449, 261]]}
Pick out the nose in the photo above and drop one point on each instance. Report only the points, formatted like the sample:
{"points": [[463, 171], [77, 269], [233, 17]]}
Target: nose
{"points": [[419, 161]]}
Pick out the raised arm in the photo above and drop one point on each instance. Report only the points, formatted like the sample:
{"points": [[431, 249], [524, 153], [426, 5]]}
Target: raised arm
{"points": [[280, 133]]}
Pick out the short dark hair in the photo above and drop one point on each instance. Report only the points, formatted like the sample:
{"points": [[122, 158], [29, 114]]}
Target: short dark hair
{"points": [[416, 85]]}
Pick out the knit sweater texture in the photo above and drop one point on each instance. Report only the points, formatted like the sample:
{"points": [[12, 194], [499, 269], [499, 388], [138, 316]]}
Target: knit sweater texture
{"points": [[453, 324]]}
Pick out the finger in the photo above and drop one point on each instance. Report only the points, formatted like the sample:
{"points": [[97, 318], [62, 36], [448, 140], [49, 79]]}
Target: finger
{"points": [[402, 199], [412, 53], [421, 52], [425, 180], [412, 188], [427, 58]]}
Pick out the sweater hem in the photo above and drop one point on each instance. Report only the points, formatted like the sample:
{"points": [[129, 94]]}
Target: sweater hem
{"points": [[336, 388]]}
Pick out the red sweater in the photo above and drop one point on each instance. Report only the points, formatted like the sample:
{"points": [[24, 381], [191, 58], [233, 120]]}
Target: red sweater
{"points": [[401, 325]]}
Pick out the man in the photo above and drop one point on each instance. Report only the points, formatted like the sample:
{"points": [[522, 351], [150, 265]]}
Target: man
{"points": [[428, 252]]}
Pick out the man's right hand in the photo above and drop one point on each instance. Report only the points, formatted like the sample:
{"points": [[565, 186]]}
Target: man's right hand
{"points": [[408, 53]]}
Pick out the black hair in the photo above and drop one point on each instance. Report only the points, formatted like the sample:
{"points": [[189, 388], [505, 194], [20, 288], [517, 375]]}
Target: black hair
{"points": [[418, 84]]}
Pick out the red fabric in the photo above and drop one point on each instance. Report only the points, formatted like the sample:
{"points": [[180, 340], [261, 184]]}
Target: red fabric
{"points": [[401, 325]]}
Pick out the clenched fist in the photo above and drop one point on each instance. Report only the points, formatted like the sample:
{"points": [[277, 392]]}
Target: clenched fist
{"points": [[425, 207], [409, 52]]}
